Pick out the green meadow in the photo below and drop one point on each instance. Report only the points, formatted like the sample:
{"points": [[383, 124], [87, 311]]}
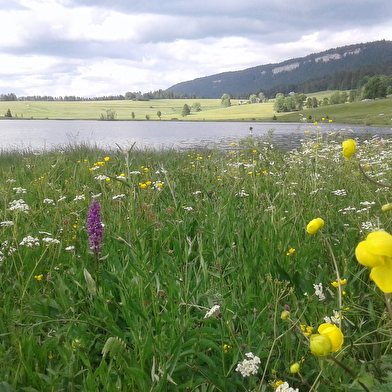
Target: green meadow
{"points": [[377, 112], [166, 271]]}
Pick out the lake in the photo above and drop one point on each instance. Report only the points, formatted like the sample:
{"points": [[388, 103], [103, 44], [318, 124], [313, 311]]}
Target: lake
{"points": [[181, 135]]}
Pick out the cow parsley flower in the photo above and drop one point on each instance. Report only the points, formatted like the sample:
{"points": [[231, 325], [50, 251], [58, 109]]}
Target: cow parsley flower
{"points": [[285, 387], [29, 241], [19, 205], [248, 366]]}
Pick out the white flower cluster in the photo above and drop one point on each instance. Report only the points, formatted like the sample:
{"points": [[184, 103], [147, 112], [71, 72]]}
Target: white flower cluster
{"points": [[242, 193], [335, 319], [339, 192], [285, 387], [80, 197], [19, 205], [49, 201], [50, 240], [6, 250], [318, 290], [30, 241], [212, 311], [19, 190], [248, 366], [188, 208], [101, 177], [6, 223]]}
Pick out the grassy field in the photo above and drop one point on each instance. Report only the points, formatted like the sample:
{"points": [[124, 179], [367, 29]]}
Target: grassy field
{"points": [[378, 112], [166, 271]]}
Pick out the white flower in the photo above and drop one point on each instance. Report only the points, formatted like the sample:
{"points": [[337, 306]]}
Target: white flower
{"points": [[212, 311], [30, 241], [318, 290], [101, 177], [135, 172], [69, 248], [188, 208], [285, 387], [248, 366], [48, 201], [19, 205], [80, 197], [6, 223], [242, 193], [118, 196], [335, 319], [19, 190], [339, 192], [61, 198], [51, 240]]}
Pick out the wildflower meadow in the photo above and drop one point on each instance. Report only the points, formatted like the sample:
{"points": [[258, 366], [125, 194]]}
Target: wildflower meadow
{"points": [[252, 269]]}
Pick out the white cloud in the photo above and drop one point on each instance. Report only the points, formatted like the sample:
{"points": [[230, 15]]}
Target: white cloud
{"points": [[99, 47]]}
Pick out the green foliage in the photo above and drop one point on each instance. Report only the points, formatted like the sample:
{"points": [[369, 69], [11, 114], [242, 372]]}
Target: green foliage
{"points": [[374, 88], [186, 110], [225, 100], [110, 115], [8, 113], [184, 232]]}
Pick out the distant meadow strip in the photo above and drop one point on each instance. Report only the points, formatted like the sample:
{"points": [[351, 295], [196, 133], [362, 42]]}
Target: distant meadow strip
{"points": [[251, 269]]}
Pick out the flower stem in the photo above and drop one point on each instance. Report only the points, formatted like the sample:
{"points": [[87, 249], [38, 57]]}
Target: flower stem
{"points": [[347, 370]]}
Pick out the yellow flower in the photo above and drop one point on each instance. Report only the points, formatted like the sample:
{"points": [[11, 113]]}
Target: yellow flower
{"points": [[38, 277], [320, 345], [294, 368], [285, 315], [341, 283], [290, 252], [277, 383], [329, 339], [226, 348], [314, 226], [106, 159], [349, 146], [315, 123], [334, 333], [142, 185], [376, 252], [386, 207]]}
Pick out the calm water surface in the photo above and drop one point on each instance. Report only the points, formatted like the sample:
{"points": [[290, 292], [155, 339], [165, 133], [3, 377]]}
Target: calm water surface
{"points": [[181, 135]]}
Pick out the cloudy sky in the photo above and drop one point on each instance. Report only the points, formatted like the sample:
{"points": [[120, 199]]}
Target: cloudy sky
{"points": [[102, 47]]}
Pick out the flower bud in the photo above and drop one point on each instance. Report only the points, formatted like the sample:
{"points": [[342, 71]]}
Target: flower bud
{"points": [[386, 207], [349, 146], [294, 368], [285, 315], [320, 345]]}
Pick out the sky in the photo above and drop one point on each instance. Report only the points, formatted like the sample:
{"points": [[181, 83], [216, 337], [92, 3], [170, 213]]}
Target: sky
{"points": [[92, 48]]}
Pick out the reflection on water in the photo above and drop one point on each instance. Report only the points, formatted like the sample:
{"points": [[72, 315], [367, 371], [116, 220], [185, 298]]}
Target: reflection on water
{"points": [[179, 135]]}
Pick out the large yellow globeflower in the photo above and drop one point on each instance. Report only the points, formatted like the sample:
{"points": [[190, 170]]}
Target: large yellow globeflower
{"points": [[314, 226], [349, 146], [329, 339], [376, 252]]}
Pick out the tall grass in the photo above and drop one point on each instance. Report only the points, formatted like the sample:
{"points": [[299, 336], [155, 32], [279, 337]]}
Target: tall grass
{"points": [[184, 232]]}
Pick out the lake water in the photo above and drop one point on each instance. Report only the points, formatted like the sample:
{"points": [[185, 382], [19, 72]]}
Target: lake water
{"points": [[181, 135]]}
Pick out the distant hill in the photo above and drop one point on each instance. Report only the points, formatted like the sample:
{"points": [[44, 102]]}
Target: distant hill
{"points": [[338, 68]]}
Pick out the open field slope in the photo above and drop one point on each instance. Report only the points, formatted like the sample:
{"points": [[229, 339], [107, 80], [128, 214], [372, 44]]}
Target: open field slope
{"points": [[202, 271], [377, 112]]}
